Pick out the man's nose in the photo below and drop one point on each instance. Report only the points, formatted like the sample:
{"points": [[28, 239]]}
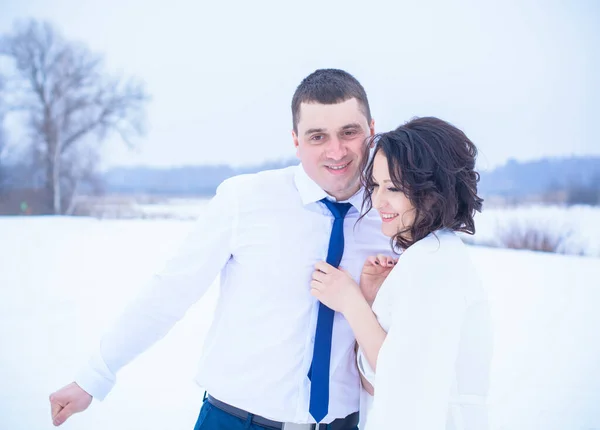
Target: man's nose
{"points": [[336, 149]]}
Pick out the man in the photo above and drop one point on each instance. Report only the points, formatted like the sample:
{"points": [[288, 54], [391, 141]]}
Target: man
{"points": [[274, 356]]}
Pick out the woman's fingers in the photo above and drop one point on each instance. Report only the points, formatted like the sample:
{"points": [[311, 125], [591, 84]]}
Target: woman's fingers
{"points": [[385, 261], [381, 260], [323, 267], [372, 259], [344, 271], [315, 285], [318, 276]]}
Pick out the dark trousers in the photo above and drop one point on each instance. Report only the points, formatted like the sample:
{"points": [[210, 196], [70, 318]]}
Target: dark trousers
{"points": [[213, 418]]}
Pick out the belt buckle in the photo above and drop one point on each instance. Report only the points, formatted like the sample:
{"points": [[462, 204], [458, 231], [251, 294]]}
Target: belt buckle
{"points": [[295, 426]]}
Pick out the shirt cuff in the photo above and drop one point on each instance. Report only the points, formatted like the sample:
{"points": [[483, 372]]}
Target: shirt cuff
{"points": [[364, 367], [96, 378]]}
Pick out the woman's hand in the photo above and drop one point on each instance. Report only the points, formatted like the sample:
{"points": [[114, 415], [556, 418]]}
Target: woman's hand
{"points": [[335, 288], [374, 272]]}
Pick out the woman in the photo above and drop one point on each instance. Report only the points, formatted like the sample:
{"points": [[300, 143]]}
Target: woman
{"points": [[425, 346]]}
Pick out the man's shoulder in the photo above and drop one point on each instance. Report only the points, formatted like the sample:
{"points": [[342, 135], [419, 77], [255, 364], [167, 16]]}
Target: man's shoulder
{"points": [[265, 184], [262, 182]]}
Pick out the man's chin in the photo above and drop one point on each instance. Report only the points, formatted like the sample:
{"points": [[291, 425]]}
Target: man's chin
{"points": [[343, 191]]}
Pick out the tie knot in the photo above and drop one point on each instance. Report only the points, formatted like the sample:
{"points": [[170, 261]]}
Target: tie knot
{"points": [[339, 210]]}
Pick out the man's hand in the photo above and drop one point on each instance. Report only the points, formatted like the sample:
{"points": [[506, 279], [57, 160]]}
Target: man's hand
{"points": [[374, 272], [68, 401]]}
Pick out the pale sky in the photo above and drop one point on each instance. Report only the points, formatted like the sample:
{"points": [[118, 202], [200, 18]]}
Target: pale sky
{"points": [[519, 77]]}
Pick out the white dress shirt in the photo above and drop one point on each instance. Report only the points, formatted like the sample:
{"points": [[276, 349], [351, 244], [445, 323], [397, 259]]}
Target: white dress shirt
{"points": [[263, 234], [433, 369]]}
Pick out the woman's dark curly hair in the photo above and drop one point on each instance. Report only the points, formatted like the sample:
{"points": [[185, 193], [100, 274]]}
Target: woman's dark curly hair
{"points": [[432, 163]]}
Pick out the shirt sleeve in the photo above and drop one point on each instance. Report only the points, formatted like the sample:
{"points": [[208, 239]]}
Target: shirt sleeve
{"points": [[416, 363], [364, 367], [168, 296]]}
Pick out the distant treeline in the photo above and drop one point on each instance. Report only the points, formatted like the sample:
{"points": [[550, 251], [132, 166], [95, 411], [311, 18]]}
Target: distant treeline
{"points": [[574, 180]]}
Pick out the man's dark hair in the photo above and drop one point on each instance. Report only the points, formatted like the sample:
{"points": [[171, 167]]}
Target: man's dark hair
{"points": [[433, 164], [329, 86]]}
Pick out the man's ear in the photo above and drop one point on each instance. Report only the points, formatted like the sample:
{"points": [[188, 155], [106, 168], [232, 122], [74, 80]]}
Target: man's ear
{"points": [[371, 139], [296, 143]]}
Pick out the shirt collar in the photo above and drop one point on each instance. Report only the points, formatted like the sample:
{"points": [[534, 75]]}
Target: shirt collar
{"points": [[311, 192]]}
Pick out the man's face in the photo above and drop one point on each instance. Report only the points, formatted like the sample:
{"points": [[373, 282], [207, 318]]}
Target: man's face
{"points": [[330, 143]]}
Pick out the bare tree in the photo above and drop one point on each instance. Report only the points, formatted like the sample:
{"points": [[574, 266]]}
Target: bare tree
{"points": [[67, 101]]}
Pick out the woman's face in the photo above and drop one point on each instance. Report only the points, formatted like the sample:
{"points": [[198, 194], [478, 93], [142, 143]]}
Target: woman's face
{"points": [[395, 209]]}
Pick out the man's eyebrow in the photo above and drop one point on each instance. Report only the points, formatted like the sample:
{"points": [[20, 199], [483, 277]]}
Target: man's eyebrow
{"points": [[315, 130], [324, 130]]}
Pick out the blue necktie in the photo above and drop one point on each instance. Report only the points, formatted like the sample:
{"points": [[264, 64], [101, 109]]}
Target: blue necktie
{"points": [[319, 370]]}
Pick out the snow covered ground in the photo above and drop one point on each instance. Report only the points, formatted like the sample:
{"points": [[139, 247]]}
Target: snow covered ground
{"points": [[63, 280], [576, 227]]}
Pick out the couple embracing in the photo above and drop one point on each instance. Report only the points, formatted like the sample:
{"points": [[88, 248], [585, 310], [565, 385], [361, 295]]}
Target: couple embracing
{"points": [[346, 295]]}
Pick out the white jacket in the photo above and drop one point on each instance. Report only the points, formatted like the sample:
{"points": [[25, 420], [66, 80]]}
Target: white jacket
{"points": [[433, 370]]}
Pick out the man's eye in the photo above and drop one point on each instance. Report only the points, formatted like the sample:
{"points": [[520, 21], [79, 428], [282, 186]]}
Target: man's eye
{"points": [[317, 137]]}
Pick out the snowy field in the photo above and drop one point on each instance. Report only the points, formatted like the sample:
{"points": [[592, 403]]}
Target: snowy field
{"points": [[576, 229], [63, 280]]}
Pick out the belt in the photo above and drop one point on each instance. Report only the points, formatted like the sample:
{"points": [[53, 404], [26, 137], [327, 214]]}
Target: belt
{"points": [[348, 423]]}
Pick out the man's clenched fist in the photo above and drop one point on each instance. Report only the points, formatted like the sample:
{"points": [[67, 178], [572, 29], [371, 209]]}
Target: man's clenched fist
{"points": [[68, 401]]}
